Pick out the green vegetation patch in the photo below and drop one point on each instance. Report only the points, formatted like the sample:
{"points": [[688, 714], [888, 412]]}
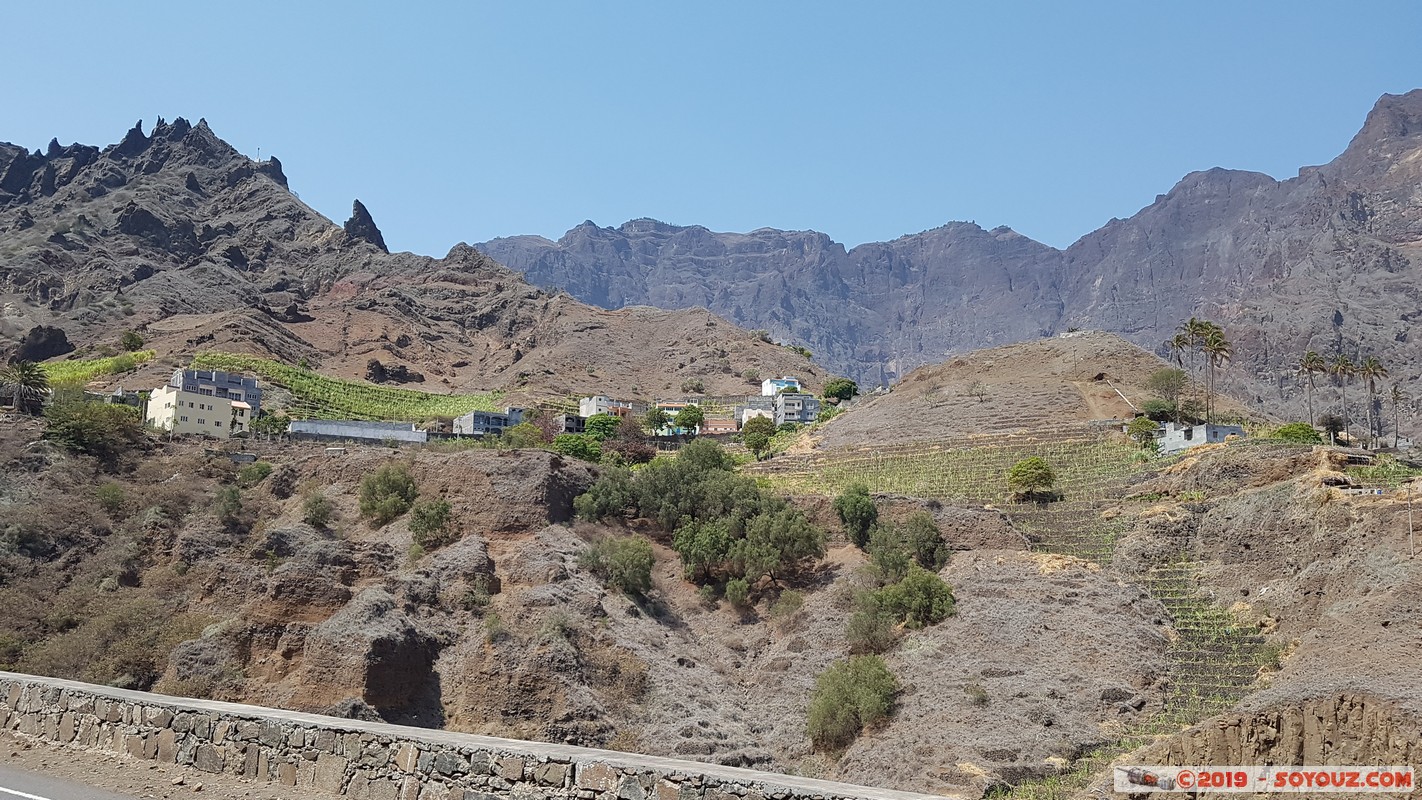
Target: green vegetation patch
{"points": [[334, 398], [79, 371]]}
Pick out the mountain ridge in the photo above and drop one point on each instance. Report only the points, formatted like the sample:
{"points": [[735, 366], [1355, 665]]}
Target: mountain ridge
{"points": [[1324, 243]]}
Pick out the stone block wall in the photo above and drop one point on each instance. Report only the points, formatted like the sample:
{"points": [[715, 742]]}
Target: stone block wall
{"points": [[374, 761]]}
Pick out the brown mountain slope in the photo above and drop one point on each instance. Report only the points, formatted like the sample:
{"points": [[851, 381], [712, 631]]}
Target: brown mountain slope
{"points": [[1327, 260], [182, 237], [1032, 387]]}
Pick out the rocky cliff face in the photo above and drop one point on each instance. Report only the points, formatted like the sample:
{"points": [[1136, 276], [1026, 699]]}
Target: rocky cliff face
{"points": [[178, 235], [1328, 259]]}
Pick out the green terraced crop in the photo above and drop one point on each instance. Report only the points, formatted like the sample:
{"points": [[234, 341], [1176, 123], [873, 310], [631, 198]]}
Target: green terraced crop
{"points": [[79, 371], [319, 396]]}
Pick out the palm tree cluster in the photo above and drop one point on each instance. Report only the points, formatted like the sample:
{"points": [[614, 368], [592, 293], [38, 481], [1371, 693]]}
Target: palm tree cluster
{"points": [[1202, 340], [1370, 370]]}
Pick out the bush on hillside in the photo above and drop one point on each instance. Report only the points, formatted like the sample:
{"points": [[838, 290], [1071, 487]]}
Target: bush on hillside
{"points": [[105, 431], [850, 696], [429, 523], [921, 598], [857, 512], [1031, 477], [611, 496], [1298, 432], [871, 628], [624, 563], [316, 510], [578, 445], [253, 473], [387, 493]]}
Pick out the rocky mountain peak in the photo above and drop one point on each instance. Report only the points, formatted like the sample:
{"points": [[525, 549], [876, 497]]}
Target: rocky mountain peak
{"points": [[361, 226]]}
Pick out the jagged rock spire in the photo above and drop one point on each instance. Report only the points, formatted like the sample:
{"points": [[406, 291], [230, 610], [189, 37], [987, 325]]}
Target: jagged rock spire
{"points": [[361, 226]]}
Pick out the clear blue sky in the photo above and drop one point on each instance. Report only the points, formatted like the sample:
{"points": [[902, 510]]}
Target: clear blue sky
{"points": [[469, 120]]}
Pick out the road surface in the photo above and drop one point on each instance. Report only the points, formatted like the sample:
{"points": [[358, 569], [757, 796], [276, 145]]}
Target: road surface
{"points": [[17, 784]]}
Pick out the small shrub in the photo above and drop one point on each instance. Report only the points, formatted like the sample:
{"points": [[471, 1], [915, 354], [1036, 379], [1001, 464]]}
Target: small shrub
{"points": [[693, 386], [578, 445], [738, 593], [253, 473], [131, 341], [871, 627], [228, 505], [921, 598], [1299, 432], [387, 493], [316, 510], [477, 597], [494, 629], [707, 594], [888, 555], [751, 375], [429, 523], [786, 604], [611, 496], [857, 512], [623, 563], [850, 696], [976, 694], [111, 498]]}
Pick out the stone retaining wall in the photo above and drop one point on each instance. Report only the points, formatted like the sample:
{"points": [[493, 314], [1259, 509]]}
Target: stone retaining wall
{"points": [[374, 760]]}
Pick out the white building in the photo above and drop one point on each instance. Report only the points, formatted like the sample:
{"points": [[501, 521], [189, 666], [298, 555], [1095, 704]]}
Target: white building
{"points": [[1174, 438], [602, 404], [748, 414], [773, 386], [190, 413]]}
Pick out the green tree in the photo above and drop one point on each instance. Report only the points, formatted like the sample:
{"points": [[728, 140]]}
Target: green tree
{"points": [[1030, 476], [841, 389], [1396, 396], [611, 495], [1142, 429], [1218, 351], [1310, 365], [105, 431], [25, 384], [655, 420], [521, 436], [738, 593], [624, 563], [578, 445], [1332, 424], [857, 513], [387, 493], [923, 540], [757, 433], [921, 598], [603, 426], [1169, 384], [429, 523], [1299, 432], [271, 424], [850, 696], [887, 554], [871, 628], [131, 341], [1371, 369], [689, 417], [1343, 369], [228, 505]]}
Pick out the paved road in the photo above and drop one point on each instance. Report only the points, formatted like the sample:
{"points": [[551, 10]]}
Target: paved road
{"points": [[18, 784]]}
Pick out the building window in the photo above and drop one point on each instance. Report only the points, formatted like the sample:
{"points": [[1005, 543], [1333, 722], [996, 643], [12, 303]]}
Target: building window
{"points": [[217, 423], [202, 421], [183, 418]]}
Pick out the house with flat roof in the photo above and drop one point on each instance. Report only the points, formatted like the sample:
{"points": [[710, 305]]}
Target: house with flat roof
{"points": [[216, 383], [1174, 438], [796, 407], [718, 426], [193, 414], [770, 387], [487, 423]]}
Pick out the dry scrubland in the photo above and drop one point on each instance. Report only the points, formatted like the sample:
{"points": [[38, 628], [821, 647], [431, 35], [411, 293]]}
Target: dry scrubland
{"points": [[1148, 599]]}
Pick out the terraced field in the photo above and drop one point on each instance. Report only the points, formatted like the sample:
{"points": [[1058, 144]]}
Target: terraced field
{"points": [[79, 371], [319, 396]]}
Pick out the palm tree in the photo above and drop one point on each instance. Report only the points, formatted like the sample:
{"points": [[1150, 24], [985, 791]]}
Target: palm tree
{"points": [[26, 383], [1370, 370], [1217, 351], [1178, 344], [1310, 365], [1397, 396], [1343, 368]]}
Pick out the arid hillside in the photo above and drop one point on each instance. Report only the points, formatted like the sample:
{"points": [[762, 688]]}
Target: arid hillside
{"points": [[177, 235]]}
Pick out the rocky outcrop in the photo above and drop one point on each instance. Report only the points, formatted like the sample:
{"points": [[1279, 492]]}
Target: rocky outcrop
{"points": [[361, 227], [1342, 729], [42, 342], [369, 649]]}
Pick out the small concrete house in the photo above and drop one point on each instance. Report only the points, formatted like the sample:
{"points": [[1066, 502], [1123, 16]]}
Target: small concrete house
{"points": [[602, 404], [487, 423], [190, 413], [1174, 438], [770, 387], [216, 383], [718, 426], [748, 414], [796, 407]]}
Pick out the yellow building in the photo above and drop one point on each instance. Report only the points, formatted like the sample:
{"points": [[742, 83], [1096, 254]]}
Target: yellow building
{"points": [[180, 412]]}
